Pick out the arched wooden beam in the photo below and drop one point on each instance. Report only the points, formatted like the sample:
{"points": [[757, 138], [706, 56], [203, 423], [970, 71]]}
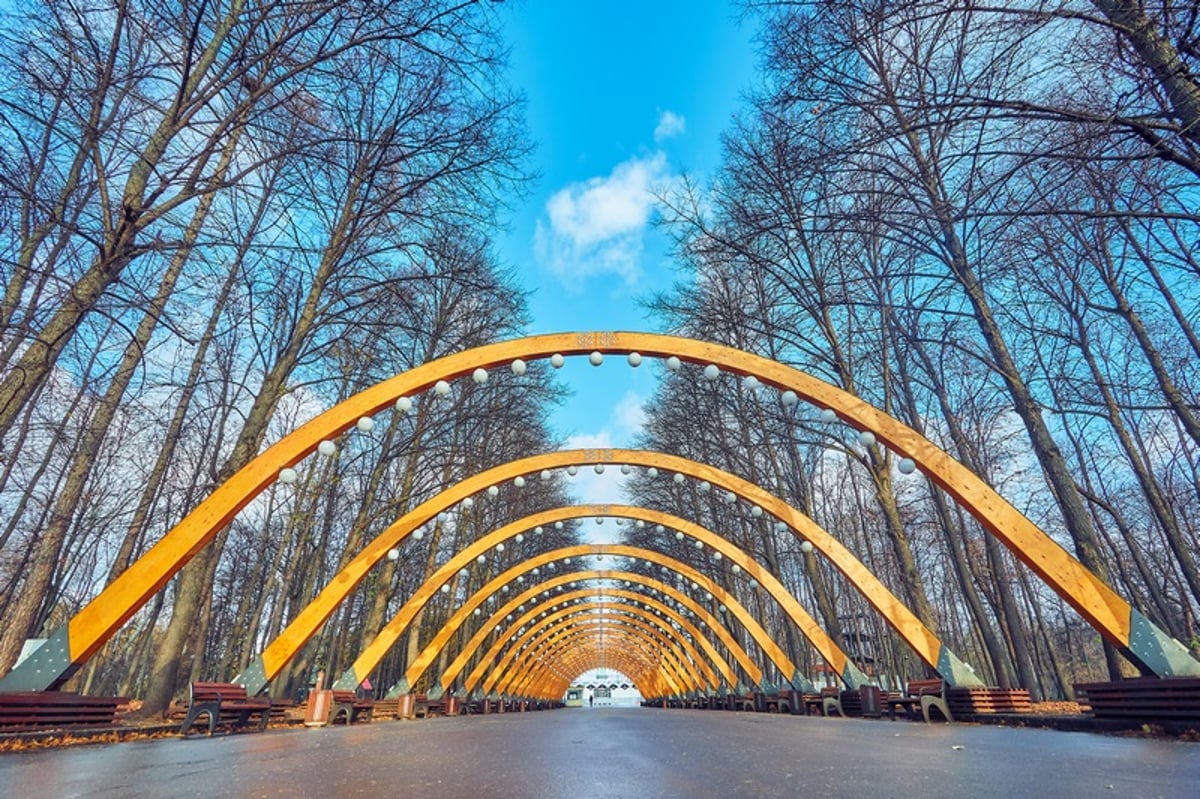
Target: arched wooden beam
{"points": [[686, 627], [661, 676], [70, 646], [756, 631], [591, 593], [374, 652], [546, 679], [426, 657], [672, 669], [527, 679], [591, 643], [682, 652], [588, 656]]}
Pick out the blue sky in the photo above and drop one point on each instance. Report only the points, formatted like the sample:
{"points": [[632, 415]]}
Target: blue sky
{"points": [[623, 98]]}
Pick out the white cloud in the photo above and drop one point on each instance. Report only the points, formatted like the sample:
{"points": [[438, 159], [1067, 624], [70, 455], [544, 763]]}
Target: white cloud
{"points": [[596, 226], [669, 124], [588, 487], [629, 416]]}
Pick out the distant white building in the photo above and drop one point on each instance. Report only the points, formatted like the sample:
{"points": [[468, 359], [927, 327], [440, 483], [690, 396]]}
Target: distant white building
{"points": [[602, 688]]}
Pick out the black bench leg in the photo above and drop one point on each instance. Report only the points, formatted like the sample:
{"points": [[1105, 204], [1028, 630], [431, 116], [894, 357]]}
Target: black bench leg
{"points": [[196, 711]]}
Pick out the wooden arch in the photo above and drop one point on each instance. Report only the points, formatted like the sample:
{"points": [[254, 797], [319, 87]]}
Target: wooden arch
{"points": [[765, 643], [531, 678], [426, 657], [687, 629], [675, 655], [69, 647], [276, 654], [636, 665]]}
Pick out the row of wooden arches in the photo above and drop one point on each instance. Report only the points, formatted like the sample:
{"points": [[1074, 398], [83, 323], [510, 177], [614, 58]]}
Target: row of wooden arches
{"points": [[1142, 641]]}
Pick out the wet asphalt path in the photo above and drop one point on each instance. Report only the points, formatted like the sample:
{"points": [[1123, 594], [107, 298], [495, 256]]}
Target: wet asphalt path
{"points": [[629, 752]]}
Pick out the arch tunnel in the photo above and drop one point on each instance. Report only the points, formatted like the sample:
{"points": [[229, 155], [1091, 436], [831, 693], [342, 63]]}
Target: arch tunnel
{"points": [[529, 654]]}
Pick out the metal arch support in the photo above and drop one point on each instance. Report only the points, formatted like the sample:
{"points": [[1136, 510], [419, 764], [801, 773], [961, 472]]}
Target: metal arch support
{"points": [[426, 657], [1111, 615], [760, 636]]}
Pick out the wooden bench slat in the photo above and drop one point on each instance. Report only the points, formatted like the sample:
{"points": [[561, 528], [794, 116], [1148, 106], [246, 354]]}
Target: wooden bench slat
{"points": [[224, 704]]}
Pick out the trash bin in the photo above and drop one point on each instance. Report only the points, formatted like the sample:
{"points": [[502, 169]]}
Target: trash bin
{"points": [[872, 701], [316, 712]]}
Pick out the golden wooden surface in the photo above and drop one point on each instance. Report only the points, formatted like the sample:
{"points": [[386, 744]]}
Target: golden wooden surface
{"points": [[560, 633], [374, 652], [589, 655], [629, 642], [679, 653], [426, 657], [487, 625], [94, 624], [710, 652], [768, 646], [541, 674], [522, 663]]}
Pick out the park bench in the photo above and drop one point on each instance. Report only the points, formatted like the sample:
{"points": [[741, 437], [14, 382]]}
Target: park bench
{"points": [[825, 703], [348, 705], [386, 708], [1144, 699], [225, 704], [737, 701], [965, 702], [924, 694], [437, 706], [42, 710]]}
